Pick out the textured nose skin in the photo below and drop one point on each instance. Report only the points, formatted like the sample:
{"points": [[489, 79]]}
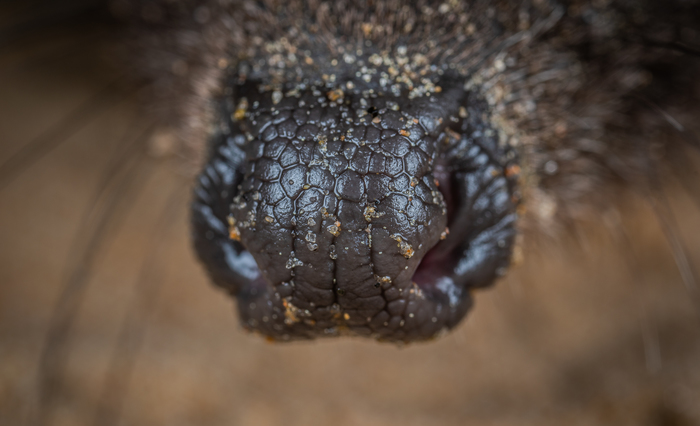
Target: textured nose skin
{"points": [[318, 207], [337, 210]]}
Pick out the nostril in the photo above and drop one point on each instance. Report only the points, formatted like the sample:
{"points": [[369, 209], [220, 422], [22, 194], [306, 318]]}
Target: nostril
{"points": [[477, 179]]}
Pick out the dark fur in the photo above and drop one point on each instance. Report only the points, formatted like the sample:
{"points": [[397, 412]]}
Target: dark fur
{"points": [[585, 90]]}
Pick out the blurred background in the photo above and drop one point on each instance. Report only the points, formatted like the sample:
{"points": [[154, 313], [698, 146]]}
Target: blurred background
{"points": [[107, 319]]}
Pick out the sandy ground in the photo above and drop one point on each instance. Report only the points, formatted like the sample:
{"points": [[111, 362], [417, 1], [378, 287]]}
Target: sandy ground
{"points": [[593, 329]]}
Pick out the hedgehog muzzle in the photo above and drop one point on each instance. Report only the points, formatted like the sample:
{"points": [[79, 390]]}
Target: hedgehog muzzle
{"points": [[328, 211]]}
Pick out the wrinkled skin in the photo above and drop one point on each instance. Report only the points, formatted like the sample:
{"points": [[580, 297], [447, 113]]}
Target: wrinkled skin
{"points": [[327, 213]]}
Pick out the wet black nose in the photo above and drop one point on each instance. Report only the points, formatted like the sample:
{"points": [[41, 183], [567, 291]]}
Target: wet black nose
{"points": [[320, 206]]}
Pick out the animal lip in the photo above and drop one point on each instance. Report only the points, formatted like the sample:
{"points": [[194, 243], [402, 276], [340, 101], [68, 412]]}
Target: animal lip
{"points": [[338, 205]]}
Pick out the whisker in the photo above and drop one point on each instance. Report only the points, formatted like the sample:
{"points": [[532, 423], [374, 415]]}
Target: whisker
{"points": [[100, 217], [672, 121], [56, 53], [691, 138], [656, 197], [650, 339], [666, 219], [130, 338], [538, 28], [687, 173], [682, 162], [54, 136], [673, 45], [649, 330]]}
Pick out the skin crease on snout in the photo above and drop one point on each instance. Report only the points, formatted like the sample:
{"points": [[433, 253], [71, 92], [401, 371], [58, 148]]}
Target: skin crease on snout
{"points": [[319, 203]]}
